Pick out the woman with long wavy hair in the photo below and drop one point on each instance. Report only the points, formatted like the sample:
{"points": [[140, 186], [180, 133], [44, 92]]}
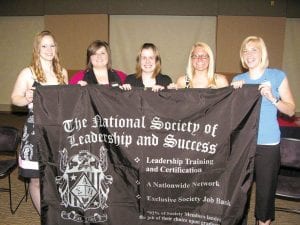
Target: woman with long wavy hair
{"points": [[45, 69]]}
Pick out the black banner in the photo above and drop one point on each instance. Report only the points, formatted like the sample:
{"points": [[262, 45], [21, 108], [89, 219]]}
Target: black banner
{"points": [[179, 157]]}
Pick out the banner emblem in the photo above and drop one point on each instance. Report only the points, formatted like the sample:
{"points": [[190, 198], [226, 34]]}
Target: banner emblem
{"points": [[83, 183]]}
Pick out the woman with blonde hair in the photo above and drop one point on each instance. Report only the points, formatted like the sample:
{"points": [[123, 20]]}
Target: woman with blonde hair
{"points": [[276, 96], [200, 71], [45, 69]]}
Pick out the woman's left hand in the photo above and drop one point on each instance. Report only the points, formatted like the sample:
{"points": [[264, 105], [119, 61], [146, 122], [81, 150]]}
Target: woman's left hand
{"points": [[266, 91], [82, 83], [125, 87]]}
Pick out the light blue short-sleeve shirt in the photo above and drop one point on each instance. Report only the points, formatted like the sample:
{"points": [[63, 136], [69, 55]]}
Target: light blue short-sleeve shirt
{"points": [[268, 129]]}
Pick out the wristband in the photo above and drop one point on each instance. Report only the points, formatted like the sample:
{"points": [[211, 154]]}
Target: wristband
{"points": [[275, 101]]}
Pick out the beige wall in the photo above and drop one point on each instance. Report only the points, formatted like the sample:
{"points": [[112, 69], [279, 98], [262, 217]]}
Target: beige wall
{"points": [[174, 36], [232, 30], [74, 33], [291, 57], [16, 39]]}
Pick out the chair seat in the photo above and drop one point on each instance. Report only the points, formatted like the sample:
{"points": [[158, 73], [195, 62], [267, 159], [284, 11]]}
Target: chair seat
{"points": [[6, 166], [288, 187]]}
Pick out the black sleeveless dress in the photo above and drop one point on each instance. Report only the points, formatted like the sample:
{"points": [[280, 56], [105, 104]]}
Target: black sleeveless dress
{"points": [[28, 155]]}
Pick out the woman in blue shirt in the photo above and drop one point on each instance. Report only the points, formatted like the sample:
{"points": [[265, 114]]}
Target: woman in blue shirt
{"points": [[276, 95]]}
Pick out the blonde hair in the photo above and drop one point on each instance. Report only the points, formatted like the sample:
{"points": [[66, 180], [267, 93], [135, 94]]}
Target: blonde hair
{"points": [[260, 44], [138, 67], [36, 63], [190, 70]]}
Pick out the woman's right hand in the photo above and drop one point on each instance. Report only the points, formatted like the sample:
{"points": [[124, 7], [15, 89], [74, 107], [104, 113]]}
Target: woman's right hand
{"points": [[237, 84], [29, 95], [172, 86]]}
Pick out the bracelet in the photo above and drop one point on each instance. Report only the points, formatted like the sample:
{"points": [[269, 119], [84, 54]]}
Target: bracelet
{"points": [[275, 101]]}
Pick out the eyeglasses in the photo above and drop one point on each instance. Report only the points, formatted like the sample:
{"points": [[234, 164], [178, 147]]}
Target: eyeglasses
{"points": [[200, 56]]}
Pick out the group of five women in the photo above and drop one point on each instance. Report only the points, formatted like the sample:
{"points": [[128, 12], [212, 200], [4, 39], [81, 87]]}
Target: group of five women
{"points": [[46, 69]]}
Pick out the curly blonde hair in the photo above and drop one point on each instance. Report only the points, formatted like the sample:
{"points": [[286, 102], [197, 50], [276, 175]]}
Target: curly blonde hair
{"points": [[36, 63]]}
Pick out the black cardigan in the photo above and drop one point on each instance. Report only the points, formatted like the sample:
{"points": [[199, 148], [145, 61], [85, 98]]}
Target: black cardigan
{"points": [[161, 79]]}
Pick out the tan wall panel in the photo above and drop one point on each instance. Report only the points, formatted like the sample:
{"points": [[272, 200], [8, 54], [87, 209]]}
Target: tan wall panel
{"points": [[291, 57], [232, 30], [74, 33], [16, 38], [173, 35]]}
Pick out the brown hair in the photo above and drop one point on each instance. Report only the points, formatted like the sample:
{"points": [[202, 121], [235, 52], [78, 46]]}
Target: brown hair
{"points": [[157, 60], [93, 48]]}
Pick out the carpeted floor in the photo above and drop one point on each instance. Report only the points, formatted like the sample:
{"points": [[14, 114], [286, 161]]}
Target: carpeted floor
{"points": [[27, 215]]}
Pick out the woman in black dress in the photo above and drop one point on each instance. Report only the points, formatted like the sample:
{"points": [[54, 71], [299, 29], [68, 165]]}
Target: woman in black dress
{"points": [[45, 69], [148, 70]]}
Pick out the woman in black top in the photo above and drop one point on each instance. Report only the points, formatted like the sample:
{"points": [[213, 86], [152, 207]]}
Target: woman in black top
{"points": [[148, 70]]}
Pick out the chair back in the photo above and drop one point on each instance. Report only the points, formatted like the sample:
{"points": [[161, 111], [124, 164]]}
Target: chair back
{"points": [[290, 152], [9, 139], [288, 185]]}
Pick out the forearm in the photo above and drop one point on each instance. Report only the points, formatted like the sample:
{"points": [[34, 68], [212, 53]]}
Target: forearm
{"points": [[285, 107], [20, 100]]}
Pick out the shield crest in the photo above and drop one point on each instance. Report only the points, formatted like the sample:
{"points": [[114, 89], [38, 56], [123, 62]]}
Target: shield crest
{"points": [[83, 183]]}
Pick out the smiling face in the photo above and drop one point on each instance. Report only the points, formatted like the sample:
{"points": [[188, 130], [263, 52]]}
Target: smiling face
{"points": [[200, 59], [47, 48], [252, 55], [100, 58], [148, 61]]}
